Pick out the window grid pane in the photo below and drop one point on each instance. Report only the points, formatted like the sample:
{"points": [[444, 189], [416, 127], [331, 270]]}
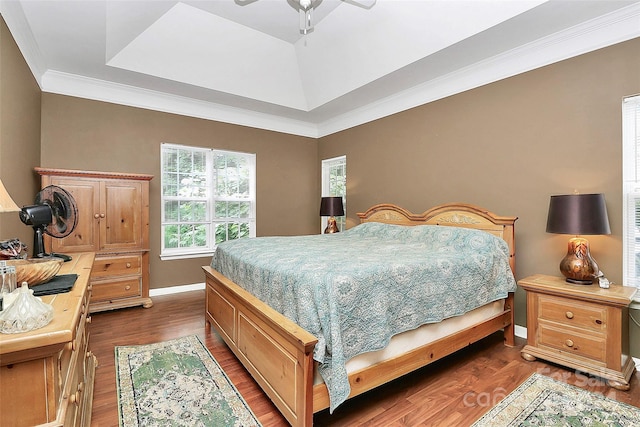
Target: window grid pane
{"points": [[208, 197]]}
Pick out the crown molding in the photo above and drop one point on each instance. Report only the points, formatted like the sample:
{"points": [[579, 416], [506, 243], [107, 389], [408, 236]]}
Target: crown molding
{"points": [[116, 93], [616, 27], [13, 16]]}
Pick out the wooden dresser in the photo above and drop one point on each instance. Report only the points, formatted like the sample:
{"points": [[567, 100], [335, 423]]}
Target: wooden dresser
{"points": [[47, 375], [113, 222], [583, 327]]}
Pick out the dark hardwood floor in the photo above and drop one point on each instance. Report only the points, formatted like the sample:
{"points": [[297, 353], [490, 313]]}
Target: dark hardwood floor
{"points": [[452, 392]]}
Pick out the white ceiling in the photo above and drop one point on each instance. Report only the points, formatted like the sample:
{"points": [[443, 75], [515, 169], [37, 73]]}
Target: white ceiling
{"points": [[245, 61]]}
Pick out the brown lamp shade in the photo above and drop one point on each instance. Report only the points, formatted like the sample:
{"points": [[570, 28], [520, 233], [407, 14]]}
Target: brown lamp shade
{"points": [[578, 214], [331, 206]]}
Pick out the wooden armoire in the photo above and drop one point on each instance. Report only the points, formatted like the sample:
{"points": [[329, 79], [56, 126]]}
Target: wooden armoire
{"points": [[113, 222]]}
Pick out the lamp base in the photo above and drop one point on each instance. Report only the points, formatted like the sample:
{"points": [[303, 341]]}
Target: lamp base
{"points": [[578, 266], [332, 227]]}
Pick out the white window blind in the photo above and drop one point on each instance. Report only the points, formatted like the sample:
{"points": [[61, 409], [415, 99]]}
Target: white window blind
{"points": [[334, 183], [631, 190]]}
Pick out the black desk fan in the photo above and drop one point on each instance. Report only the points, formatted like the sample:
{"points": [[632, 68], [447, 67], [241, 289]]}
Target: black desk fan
{"points": [[55, 212]]}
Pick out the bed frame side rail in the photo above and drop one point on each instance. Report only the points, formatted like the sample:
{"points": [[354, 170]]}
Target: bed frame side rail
{"points": [[371, 377]]}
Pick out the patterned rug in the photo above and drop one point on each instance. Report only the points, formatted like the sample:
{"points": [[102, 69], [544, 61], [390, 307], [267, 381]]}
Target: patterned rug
{"points": [[543, 401], [176, 383]]}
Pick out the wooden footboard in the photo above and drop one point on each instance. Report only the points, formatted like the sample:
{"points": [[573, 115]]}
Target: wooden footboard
{"points": [[275, 351], [279, 354]]}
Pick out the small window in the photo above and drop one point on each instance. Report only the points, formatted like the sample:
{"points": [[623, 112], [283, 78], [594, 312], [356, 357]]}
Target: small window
{"points": [[334, 183], [208, 197]]}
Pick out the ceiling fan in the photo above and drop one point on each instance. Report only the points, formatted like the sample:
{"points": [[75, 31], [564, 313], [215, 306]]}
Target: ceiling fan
{"points": [[306, 7]]}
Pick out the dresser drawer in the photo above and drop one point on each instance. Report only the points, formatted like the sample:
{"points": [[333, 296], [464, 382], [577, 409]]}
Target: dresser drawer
{"points": [[592, 346], [126, 265], [116, 289], [576, 314]]}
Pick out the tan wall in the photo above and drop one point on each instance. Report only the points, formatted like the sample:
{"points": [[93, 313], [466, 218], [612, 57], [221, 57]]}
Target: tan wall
{"points": [[19, 134], [91, 135], [507, 147]]}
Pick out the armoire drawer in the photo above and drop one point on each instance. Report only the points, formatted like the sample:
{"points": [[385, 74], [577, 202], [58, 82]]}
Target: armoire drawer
{"points": [[115, 289], [109, 266]]}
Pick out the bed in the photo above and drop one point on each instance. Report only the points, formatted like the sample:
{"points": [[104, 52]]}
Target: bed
{"points": [[279, 353]]}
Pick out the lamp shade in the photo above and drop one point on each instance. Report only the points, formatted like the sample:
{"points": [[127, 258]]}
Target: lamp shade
{"points": [[6, 202], [331, 206], [578, 214]]}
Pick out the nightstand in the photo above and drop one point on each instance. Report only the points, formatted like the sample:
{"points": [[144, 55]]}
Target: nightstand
{"points": [[583, 327]]}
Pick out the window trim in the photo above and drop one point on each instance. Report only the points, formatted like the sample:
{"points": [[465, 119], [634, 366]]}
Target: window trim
{"points": [[631, 189], [326, 165], [209, 250]]}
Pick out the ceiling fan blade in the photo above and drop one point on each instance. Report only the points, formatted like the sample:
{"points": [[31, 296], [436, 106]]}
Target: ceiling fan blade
{"points": [[365, 4]]}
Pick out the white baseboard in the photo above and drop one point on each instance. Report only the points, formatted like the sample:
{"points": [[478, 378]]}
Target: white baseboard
{"points": [[176, 289], [520, 331]]}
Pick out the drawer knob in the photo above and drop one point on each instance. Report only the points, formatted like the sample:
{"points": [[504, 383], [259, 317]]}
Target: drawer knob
{"points": [[88, 320], [569, 315], [128, 265], [96, 216], [569, 343], [127, 287]]}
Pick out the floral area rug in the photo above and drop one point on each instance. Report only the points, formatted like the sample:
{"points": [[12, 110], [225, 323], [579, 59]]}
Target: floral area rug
{"points": [[543, 401], [176, 383]]}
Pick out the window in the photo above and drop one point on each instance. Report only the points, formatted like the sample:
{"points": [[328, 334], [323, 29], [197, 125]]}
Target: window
{"points": [[334, 183], [631, 190], [208, 197]]}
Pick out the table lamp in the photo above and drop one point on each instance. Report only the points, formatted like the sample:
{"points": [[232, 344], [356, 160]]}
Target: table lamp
{"points": [[331, 207], [578, 214], [6, 202]]}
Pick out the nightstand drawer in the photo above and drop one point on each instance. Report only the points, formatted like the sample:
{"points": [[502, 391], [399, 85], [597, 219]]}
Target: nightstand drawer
{"points": [[576, 314], [591, 346]]}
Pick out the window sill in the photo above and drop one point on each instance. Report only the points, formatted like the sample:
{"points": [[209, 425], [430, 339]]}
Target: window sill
{"points": [[171, 257]]}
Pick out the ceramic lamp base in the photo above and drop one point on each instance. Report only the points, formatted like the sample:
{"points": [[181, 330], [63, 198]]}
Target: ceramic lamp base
{"points": [[332, 227], [578, 266]]}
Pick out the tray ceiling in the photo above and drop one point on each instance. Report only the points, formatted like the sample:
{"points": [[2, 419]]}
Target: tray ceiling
{"points": [[245, 61]]}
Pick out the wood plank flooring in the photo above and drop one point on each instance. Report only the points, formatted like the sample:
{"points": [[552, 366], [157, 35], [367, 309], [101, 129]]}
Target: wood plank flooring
{"points": [[452, 392]]}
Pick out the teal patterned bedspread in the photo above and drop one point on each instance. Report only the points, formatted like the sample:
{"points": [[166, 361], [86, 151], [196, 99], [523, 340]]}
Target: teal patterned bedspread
{"points": [[355, 290]]}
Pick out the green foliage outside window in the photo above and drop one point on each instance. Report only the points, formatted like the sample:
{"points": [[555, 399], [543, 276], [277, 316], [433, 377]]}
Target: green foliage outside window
{"points": [[205, 192]]}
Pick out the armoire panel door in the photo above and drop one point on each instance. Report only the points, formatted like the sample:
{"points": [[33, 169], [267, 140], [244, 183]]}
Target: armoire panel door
{"points": [[85, 237], [121, 226]]}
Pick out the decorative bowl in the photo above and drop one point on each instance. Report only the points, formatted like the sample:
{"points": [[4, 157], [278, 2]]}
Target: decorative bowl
{"points": [[35, 271]]}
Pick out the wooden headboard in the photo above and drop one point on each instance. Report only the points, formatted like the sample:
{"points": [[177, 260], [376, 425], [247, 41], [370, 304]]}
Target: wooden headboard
{"points": [[451, 215]]}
